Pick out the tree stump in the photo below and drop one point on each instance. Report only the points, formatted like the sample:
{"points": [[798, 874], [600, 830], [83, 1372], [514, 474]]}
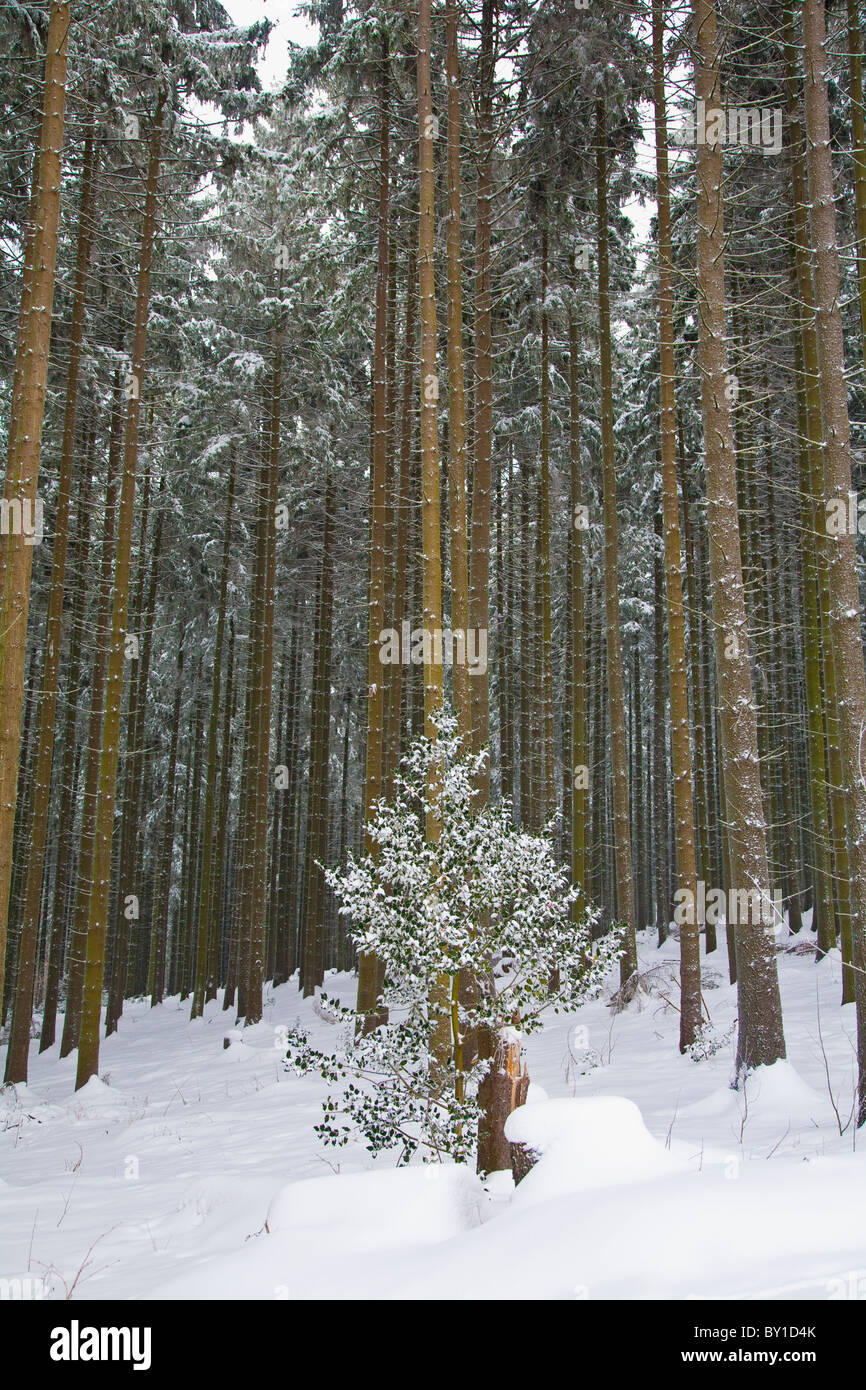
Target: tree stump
{"points": [[502, 1090], [522, 1159]]}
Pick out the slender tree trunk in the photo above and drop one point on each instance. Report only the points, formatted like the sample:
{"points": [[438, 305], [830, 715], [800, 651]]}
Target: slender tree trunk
{"points": [[241, 927], [543, 597], [128, 899], [23, 472], [318, 802], [215, 941], [440, 1001], [22, 829], [287, 914], [825, 747], [99, 664], [24, 306], [479, 560], [403, 519], [525, 675], [19, 1040], [858, 151], [88, 1047], [847, 645], [456, 391], [207, 906], [68, 762], [579, 520], [165, 855], [503, 1087], [506, 608], [344, 959], [760, 1037], [658, 771], [188, 915], [260, 689], [681, 755], [625, 912], [368, 968], [811, 512]]}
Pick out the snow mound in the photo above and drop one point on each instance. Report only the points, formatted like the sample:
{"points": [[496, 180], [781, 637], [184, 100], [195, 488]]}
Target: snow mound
{"points": [[781, 1090], [21, 1105], [403, 1207], [235, 1048], [96, 1097], [95, 1092], [772, 1094], [584, 1144]]}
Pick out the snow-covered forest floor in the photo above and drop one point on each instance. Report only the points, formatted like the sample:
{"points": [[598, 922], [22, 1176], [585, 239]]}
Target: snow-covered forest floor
{"points": [[193, 1171]]}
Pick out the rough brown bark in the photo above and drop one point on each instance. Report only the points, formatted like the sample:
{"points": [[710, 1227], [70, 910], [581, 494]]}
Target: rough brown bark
{"points": [[431, 587], [368, 968], [625, 912], [547, 787], [681, 753], [456, 390], [165, 854], [19, 1039], [68, 763], [207, 905], [760, 1037], [501, 1091], [313, 934], [845, 629], [479, 559], [23, 472], [99, 662], [579, 769], [88, 1046], [135, 759], [260, 695]]}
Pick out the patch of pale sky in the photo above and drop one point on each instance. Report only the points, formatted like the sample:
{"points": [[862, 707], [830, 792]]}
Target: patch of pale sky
{"points": [[289, 27], [292, 27]]}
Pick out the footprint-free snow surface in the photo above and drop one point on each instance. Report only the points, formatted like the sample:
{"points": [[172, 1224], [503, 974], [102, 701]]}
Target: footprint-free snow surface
{"points": [[192, 1170]]}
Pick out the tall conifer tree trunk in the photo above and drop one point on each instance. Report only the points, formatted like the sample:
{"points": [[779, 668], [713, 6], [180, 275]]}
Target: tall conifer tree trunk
{"points": [[858, 150], [456, 390], [98, 668], [208, 907], [440, 1004], [260, 692], [69, 762], [318, 802], [16, 1060], [845, 631], [625, 910], [287, 877], [368, 968], [165, 855], [760, 1038], [220, 868], [479, 561], [681, 752], [493, 1151], [135, 759], [543, 596], [27, 276], [402, 567], [88, 1044], [819, 690], [503, 1087], [579, 770], [23, 471]]}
